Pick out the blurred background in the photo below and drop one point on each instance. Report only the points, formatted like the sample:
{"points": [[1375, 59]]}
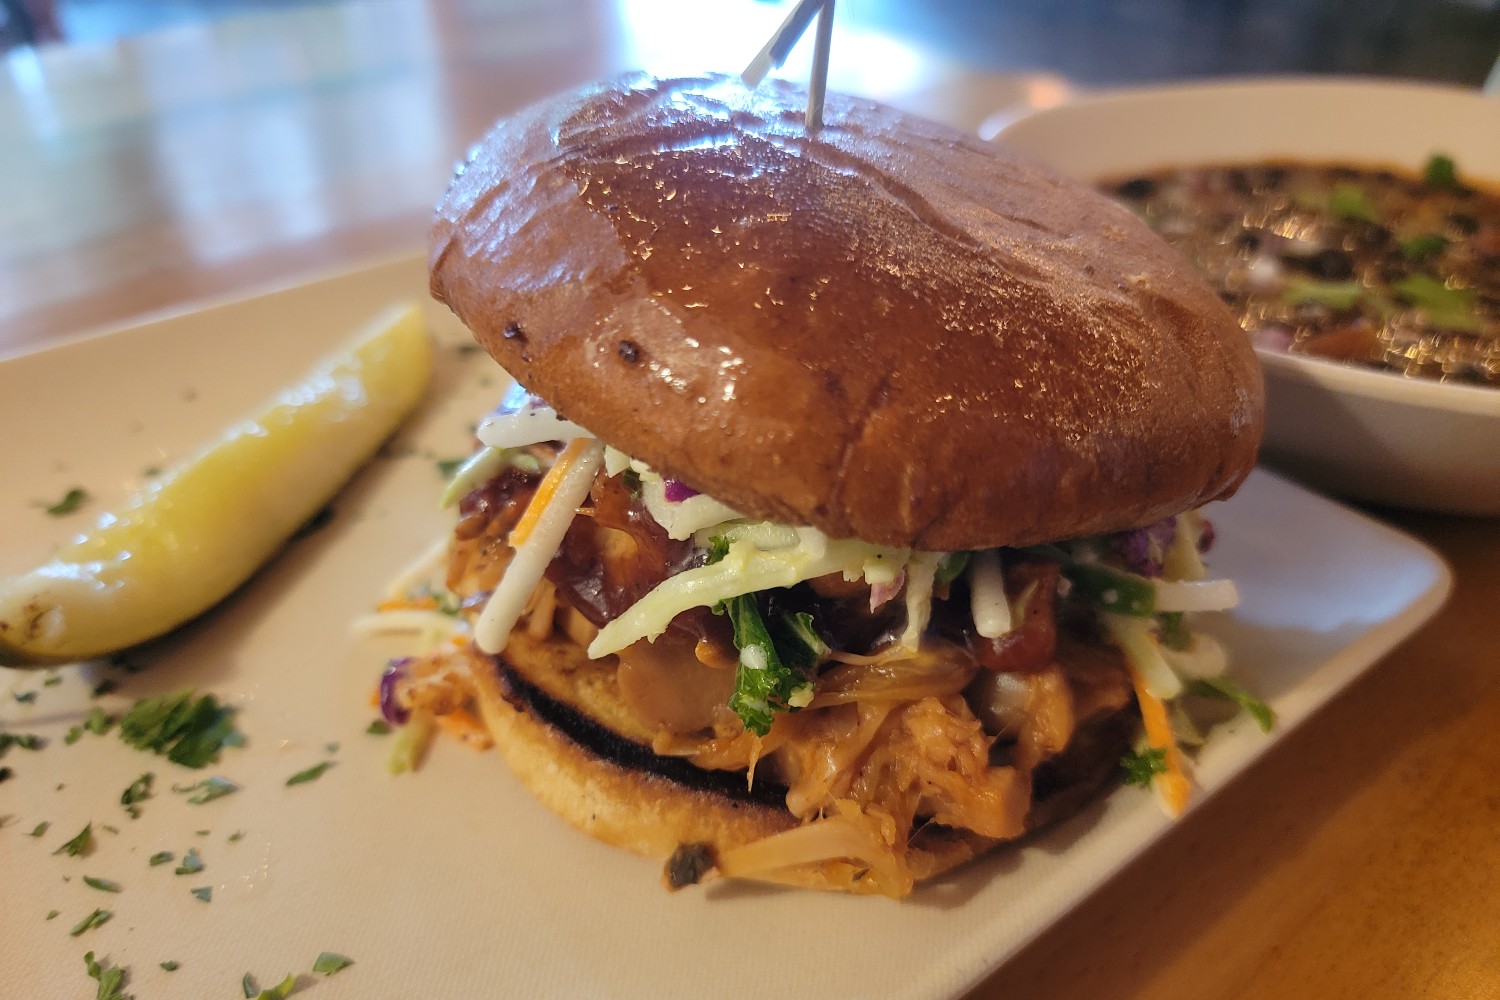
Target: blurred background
{"points": [[1090, 41], [154, 152]]}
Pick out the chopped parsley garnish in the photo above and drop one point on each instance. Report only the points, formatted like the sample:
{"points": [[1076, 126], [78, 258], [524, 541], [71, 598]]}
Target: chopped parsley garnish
{"points": [[330, 962], [311, 774], [81, 844], [71, 501], [52, 680], [237, 835], [161, 858], [207, 790], [98, 721], [24, 697], [104, 687], [378, 728], [331, 747], [189, 731], [1143, 765], [92, 920], [111, 978], [448, 466], [73, 735], [771, 675], [205, 893], [191, 863], [171, 965], [139, 791], [1224, 689], [26, 741], [102, 884], [1440, 172], [247, 985], [52, 914], [40, 828]]}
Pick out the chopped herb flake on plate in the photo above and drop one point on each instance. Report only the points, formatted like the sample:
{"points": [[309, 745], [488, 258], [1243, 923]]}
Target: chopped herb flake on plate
{"points": [[80, 844], [26, 741], [111, 978], [207, 790], [94, 919], [187, 730], [139, 791], [311, 774], [70, 502], [98, 721]]}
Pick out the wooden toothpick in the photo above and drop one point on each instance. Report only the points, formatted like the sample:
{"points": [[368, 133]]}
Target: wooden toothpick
{"points": [[818, 85], [784, 40]]}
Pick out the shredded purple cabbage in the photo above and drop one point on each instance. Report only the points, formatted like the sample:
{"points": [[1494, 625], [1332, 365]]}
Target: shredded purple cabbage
{"points": [[1144, 549], [677, 491], [390, 709], [1206, 538]]}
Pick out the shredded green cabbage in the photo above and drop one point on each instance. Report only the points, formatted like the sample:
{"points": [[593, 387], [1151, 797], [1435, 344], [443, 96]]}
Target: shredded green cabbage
{"points": [[745, 569]]}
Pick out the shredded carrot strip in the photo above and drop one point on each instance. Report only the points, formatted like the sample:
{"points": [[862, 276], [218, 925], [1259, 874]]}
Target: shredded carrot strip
{"points": [[462, 724], [548, 488], [375, 696], [427, 603], [1173, 784]]}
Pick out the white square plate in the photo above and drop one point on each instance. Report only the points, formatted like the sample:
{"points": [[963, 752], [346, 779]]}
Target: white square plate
{"points": [[453, 882]]}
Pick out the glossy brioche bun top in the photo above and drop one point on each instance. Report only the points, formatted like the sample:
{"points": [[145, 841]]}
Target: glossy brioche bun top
{"points": [[888, 329]]}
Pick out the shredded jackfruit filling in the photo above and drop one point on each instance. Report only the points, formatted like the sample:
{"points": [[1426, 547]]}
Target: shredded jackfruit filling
{"points": [[936, 707]]}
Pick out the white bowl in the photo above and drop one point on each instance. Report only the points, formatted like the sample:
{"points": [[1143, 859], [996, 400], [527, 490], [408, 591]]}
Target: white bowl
{"points": [[1358, 432]]}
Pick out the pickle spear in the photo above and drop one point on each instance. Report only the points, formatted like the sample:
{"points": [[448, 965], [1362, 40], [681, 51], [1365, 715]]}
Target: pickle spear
{"points": [[188, 539]]}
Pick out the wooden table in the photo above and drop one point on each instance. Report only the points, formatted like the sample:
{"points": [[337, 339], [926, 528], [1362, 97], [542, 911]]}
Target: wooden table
{"points": [[1360, 859]]}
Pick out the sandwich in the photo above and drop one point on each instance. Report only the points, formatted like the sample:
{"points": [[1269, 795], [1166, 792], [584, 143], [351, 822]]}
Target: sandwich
{"points": [[843, 520]]}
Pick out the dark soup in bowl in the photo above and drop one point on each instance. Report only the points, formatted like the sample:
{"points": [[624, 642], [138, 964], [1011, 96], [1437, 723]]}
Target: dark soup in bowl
{"points": [[1394, 270]]}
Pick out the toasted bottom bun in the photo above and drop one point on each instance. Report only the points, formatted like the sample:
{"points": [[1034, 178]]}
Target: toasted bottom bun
{"points": [[615, 789]]}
